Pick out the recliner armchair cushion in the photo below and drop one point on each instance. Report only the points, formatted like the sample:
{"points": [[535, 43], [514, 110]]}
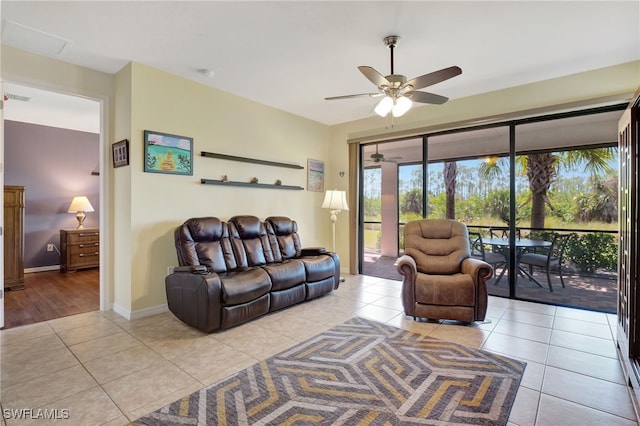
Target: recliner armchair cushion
{"points": [[318, 267], [205, 241], [437, 248], [249, 241], [286, 274], [449, 290], [244, 286], [286, 242]]}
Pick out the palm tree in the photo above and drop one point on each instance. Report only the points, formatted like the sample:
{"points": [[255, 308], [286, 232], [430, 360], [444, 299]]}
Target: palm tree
{"points": [[542, 169], [450, 174], [541, 172]]}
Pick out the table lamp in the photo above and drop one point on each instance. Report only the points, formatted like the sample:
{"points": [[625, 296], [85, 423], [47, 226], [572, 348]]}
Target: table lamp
{"points": [[80, 205]]}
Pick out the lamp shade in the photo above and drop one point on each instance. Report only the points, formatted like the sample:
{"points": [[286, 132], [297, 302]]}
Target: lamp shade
{"points": [[335, 200], [401, 105], [80, 204], [384, 106]]}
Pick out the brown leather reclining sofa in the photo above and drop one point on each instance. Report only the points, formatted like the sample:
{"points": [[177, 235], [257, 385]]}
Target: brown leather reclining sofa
{"points": [[231, 272]]}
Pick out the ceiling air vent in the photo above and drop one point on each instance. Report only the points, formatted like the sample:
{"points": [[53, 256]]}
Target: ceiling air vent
{"points": [[17, 97], [31, 39]]}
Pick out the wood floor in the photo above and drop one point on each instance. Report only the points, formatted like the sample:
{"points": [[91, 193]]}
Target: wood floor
{"points": [[52, 294]]}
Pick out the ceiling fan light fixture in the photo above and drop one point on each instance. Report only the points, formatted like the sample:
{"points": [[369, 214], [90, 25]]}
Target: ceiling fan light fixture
{"points": [[401, 106], [384, 106]]}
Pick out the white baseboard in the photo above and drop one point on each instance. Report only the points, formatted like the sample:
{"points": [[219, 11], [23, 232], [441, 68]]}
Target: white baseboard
{"points": [[42, 269], [141, 313]]}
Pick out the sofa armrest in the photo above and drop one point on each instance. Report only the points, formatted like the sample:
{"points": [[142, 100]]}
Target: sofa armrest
{"points": [[193, 269], [313, 251], [406, 266], [195, 299], [480, 270]]}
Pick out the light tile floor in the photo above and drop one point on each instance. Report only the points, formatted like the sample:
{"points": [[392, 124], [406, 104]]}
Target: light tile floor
{"points": [[100, 369]]}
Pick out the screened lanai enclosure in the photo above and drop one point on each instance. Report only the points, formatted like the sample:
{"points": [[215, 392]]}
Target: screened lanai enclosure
{"points": [[541, 190]]}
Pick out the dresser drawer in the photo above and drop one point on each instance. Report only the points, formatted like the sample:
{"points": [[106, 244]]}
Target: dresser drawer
{"points": [[83, 260], [83, 237], [82, 250]]}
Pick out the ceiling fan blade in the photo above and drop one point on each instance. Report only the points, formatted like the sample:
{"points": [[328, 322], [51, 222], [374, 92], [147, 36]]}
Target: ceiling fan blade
{"points": [[427, 98], [358, 95], [433, 77], [374, 76]]}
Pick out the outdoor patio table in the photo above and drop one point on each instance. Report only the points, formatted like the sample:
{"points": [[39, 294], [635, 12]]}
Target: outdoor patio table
{"points": [[521, 245]]}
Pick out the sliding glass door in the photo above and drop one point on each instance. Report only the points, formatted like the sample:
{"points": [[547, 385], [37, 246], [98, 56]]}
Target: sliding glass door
{"points": [[538, 191], [391, 193]]}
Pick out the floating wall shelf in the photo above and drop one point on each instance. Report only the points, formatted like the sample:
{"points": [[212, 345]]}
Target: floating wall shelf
{"points": [[247, 184], [249, 160]]}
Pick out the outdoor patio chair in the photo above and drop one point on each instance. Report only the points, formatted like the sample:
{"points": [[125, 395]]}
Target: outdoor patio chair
{"points": [[549, 258], [496, 259], [502, 232]]}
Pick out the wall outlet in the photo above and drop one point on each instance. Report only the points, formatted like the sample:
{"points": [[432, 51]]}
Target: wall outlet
{"points": [[49, 247]]}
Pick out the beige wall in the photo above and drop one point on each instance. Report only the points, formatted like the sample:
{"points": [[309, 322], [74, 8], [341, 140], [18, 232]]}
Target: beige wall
{"points": [[218, 122], [144, 208], [121, 199]]}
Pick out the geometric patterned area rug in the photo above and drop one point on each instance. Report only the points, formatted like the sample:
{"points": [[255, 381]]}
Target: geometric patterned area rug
{"points": [[358, 373]]}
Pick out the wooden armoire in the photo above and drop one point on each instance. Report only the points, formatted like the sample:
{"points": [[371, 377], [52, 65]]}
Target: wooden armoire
{"points": [[13, 237]]}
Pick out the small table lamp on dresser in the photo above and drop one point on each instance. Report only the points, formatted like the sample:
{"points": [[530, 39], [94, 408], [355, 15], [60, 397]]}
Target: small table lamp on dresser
{"points": [[80, 247], [80, 205]]}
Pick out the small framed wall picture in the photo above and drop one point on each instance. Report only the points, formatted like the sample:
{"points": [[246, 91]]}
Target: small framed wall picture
{"points": [[315, 175], [121, 153]]}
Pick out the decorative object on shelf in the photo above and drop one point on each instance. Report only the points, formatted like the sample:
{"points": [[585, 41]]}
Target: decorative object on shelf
{"points": [[254, 180], [80, 205], [249, 160], [278, 182], [247, 184], [336, 201], [165, 153], [120, 153], [315, 175], [225, 178]]}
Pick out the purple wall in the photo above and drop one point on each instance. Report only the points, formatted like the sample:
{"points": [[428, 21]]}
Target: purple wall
{"points": [[53, 165]]}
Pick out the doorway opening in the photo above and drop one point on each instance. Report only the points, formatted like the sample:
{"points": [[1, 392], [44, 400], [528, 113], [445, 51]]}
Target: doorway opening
{"points": [[52, 150]]}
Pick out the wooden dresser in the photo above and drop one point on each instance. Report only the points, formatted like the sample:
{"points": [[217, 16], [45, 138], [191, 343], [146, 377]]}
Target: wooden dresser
{"points": [[14, 237], [79, 249]]}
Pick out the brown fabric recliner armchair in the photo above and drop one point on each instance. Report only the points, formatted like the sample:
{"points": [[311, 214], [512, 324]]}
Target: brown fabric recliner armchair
{"points": [[440, 278]]}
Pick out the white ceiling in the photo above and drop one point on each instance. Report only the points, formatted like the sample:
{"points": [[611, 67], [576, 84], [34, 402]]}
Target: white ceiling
{"points": [[292, 54], [47, 108]]}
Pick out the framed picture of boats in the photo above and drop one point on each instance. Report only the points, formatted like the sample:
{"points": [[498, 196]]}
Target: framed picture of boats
{"points": [[166, 153]]}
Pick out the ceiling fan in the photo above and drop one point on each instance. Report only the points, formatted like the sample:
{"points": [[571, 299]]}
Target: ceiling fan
{"points": [[397, 91], [380, 158]]}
